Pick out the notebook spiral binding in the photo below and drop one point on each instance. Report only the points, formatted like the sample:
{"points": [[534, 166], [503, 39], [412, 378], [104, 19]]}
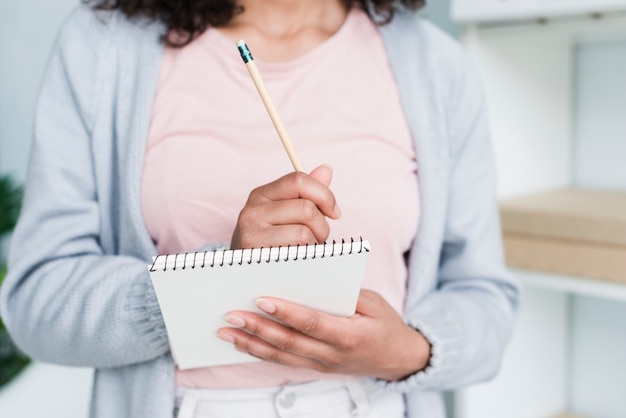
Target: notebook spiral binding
{"points": [[221, 258]]}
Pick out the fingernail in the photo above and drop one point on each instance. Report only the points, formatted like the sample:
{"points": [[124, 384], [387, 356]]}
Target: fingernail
{"points": [[226, 337], [265, 305], [235, 320], [337, 211], [330, 167]]}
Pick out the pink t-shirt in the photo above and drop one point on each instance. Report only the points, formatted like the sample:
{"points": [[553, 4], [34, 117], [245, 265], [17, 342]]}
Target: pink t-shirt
{"points": [[211, 142]]}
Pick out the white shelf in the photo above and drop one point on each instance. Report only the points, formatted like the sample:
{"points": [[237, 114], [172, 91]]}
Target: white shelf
{"points": [[575, 285], [552, 102], [502, 10], [582, 28]]}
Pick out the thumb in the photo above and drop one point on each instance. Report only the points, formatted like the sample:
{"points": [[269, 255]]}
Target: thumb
{"points": [[323, 174], [370, 303]]}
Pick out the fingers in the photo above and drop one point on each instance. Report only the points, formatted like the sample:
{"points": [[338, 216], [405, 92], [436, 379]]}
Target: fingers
{"points": [[307, 321], [275, 236], [272, 341], [359, 345], [264, 350], [291, 210], [308, 224], [277, 335], [299, 185]]}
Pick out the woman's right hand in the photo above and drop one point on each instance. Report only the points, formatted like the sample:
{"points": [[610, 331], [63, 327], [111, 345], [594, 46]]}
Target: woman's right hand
{"points": [[289, 211]]}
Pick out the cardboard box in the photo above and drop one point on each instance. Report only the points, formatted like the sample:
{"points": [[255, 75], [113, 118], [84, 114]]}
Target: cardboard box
{"points": [[569, 231]]}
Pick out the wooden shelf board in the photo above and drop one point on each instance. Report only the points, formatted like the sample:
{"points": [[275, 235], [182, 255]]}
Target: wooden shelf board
{"points": [[568, 232], [581, 216]]}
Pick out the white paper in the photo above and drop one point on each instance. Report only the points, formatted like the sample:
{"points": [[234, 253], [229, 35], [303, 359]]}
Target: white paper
{"points": [[195, 300]]}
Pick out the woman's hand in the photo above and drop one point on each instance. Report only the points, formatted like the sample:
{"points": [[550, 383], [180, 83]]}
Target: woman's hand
{"points": [[374, 342], [289, 211]]}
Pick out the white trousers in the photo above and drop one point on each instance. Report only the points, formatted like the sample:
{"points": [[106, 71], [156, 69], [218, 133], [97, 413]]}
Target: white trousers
{"points": [[320, 399]]}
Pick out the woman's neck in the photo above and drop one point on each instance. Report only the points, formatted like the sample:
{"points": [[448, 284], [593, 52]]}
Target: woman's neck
{"points": [[281, 30]]}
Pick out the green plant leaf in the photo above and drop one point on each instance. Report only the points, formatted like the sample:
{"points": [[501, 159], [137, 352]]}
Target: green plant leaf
{"points": [[12, 360], [3, 273], [10, 203]]}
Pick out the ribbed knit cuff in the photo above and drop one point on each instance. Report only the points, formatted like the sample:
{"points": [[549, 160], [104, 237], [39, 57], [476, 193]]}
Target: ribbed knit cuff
{"points": [[443, 332], [146, 314]]}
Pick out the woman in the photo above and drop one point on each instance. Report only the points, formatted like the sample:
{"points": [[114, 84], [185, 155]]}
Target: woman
{"points": [[150, 138]]}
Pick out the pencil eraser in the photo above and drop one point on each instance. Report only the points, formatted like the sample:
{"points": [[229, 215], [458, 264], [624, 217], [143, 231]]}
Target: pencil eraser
{"points": [[246, 55]]}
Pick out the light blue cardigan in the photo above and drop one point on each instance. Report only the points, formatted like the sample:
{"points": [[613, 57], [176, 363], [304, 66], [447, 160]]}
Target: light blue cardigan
{"points": [[78, 292]]}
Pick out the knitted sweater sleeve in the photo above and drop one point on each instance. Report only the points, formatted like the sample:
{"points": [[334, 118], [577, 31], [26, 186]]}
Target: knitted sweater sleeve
{"points": [[64, 300], [469, 314]]}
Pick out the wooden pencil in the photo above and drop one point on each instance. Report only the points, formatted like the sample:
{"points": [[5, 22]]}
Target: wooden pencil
{"points": [[269, 105]]}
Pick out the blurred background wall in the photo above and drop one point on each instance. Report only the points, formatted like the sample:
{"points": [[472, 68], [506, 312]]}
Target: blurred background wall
{"points": [[27, 32]]}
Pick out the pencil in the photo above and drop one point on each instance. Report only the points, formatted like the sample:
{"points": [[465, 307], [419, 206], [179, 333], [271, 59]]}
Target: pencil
{"points": [[269, 105]]}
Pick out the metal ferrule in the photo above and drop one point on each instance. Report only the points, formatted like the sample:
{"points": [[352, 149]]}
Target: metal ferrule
{"points": [[246, 55]]}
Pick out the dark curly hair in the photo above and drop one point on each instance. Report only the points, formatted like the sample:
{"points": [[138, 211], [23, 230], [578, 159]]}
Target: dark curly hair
{"points": [[189, 18]]}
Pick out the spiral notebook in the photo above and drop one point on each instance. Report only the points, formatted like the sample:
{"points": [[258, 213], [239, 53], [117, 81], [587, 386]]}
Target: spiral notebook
{"points": [[196, 290]]}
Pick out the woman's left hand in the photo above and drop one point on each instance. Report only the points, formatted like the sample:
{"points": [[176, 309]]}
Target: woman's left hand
{"points": [[374, 342]]}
